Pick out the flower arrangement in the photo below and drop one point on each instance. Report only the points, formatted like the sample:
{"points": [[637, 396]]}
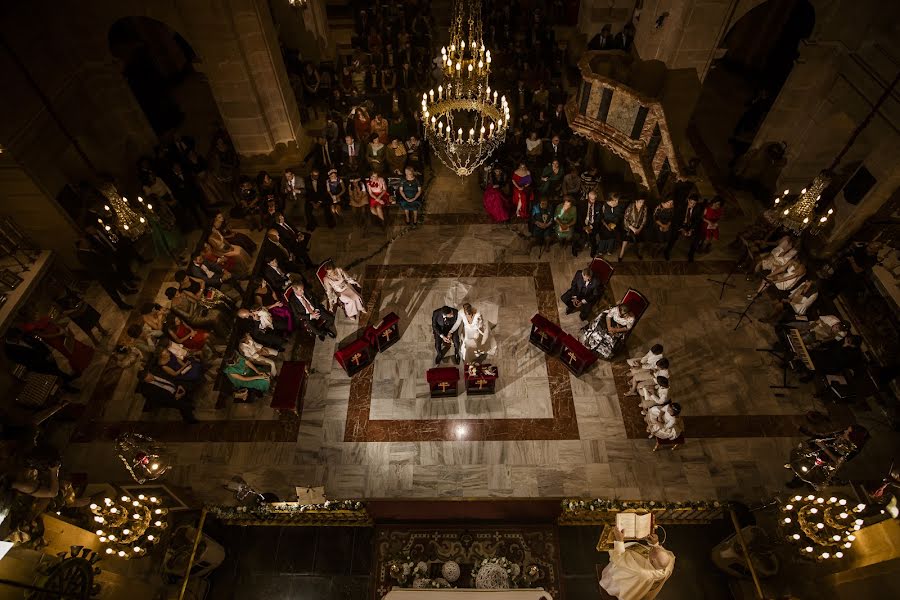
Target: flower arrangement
{"points": [[403, 569], [603, 504], [427, 583], [486, 569], [281, 508]]}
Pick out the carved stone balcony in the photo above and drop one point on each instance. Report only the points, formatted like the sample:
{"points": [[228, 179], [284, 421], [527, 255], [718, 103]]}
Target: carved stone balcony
{"points": [[620, 106]]}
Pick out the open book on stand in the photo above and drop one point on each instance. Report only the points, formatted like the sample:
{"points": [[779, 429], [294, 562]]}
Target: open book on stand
{"points": [[636, 526]]}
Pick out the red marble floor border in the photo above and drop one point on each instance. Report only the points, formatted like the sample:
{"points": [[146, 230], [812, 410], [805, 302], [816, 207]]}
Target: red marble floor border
{"points": [[563, 425], [91, 429]]}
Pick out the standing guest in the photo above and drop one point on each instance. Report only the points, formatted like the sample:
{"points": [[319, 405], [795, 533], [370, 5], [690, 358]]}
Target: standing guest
{"points": [[248, 205], [590, 182], [409, 194], [395, 156], [571, 184], [378, 196], [214, 193], [610, 224], [688, 222], [495, 202], [541, 224], [583, 293], [709, 229], [359, 201], [321, 155], [555, 150], [81, 313], [559, 123], [663, 421], [161, 392], [337, 192], [317, 198], [350, 156], [268, 190], [633, 225], [587, 225], [186, 192], [380, 128], [443, 321], [662, 226], [167, 238], [534, 148], [607, 331], [362, 125], [522, 191], [291, 191], [340, 287], [307, 310], [649, 360], [565, 218], [223, 162], [157, 190], [551, 179], [331, 131], [311, 83], [375, 154]]}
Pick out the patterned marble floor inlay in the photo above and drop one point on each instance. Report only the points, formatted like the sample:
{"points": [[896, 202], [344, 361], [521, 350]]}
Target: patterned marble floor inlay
{"points": [[530, 382]]}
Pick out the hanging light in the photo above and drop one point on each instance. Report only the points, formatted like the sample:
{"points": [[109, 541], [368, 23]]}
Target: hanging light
{"points": [[464, 102], [143, 457]]}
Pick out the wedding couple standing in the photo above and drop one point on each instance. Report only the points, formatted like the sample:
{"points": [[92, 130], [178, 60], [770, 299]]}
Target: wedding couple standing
{"points": [[477, 338]]}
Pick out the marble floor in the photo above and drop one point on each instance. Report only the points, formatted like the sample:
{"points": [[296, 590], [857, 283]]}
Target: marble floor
{"points": [[544, 433]]}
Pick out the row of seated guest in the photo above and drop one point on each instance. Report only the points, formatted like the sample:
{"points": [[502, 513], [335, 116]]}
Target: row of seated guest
{"points": [[650, 380]]}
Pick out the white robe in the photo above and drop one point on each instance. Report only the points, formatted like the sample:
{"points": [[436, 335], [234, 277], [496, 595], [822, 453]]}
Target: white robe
{"points": [[339, 287], [631, 576], [662, 424], [477, 339]]}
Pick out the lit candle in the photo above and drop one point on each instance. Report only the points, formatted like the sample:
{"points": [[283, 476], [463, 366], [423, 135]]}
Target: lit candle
{"points": [[459, 134], [480, 65], [452, 48], [470, 69], [424, 98], [458, 65], [440, 92], [487, 94], [432, 121], [462, 45], [431, 95], [471, 135], [481, 134], [443, 50], [491, 132], [495, 98]]}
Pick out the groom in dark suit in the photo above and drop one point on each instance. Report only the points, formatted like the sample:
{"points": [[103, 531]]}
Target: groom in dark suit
{"points": [[583, 293], [442, 322]]}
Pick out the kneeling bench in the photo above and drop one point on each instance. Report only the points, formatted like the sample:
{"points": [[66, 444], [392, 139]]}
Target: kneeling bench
{"points": [[291, 387], [670, 444]]}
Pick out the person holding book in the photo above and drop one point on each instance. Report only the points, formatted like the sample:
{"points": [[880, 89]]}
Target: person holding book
{"points": [[635, 571]]}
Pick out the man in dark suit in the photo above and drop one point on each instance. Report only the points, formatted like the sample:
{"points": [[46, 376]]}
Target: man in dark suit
{"points": [[321, 155], [212, 273], [559, 122], [686, 225], [555, 150], [603, 40], [316, 197], [442, 322], [583, 294], [521, 99], [350, 155], [273, 247], [248, 321], [186, 192], [275, 275], [588, 220], [99, 265], [308, 310], [292, 239], [160, 392]]}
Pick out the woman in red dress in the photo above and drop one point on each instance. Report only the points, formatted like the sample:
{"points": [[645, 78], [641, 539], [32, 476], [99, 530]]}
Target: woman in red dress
{"points": [[77, 353], [495, 203], [362, 124], [187, 336], [522, 192], [711, 217], [378, 196]]}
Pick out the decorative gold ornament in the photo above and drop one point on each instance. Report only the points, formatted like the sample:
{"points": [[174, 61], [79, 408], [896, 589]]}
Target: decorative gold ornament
{"points": [[465, 121], [119, 213], [822, 527], [800, 214], [129, 527]]}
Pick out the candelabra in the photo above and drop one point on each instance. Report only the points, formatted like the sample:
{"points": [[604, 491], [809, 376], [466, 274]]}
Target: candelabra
{"points": [[822, 528], [465, 121], [129, 527], [801, 213], [118, 211]]}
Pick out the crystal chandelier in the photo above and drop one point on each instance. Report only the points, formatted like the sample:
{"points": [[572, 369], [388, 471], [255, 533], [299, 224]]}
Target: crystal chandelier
{"points": [[801, 214], [129, 527], [120, 213], [464, 121]]}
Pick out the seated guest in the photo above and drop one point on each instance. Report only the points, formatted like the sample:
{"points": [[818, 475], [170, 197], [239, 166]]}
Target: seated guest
{"points": [[656, 393], [663, 421], [340, 287], [187, 371], [266, 297], [649, 360], [297, 242], [306, 309], [317, 198], [272, 247], [243, 374], [565, 218], [161, 392], [248, 206], [645, 378], [337, 192], [258, 353], [606, 332], [259, 324], [197, 315], [783, 277], [182, 333], [781, 254], [583, 294], [796, 304], [153, 317], [277, 278], [234, 238], [208, 297], [542, 224], [210, 273], [234, 258], [395, 156], [824, 329]]}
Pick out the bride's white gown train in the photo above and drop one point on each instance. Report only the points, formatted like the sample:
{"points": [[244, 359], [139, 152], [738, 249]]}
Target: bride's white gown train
{"points": [[477, 339]]}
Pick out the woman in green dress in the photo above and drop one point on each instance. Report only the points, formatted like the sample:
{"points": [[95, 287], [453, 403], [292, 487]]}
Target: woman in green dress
{"points": [[410, 196], [244, 375], [565, 219], [551, 180]]}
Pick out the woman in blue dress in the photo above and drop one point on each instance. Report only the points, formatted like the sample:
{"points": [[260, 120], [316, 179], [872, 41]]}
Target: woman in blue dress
{"points": [[409, 195]]}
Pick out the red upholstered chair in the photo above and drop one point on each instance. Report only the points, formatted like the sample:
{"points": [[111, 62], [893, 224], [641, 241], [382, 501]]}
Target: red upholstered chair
{"points": [[291, 387], [574, 355], [637, 303], [443, 381], [320, 275], [545, 334], [602, 270]]}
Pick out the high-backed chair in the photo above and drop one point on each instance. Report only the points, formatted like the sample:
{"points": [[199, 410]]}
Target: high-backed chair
{"points": [[602, 270], [637, 303]]}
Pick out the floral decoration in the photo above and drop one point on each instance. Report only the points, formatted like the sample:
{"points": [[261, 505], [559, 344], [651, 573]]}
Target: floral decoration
{"points": [[513, 570]]}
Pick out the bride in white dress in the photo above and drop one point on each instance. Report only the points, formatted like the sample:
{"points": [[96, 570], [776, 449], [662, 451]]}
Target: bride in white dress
{"points": [[477, 339]]}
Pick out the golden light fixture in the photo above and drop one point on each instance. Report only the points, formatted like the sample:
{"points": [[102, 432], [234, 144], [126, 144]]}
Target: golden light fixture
{"points": [[464, 120], [822, 529], [800, 214], [129, 527]]}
